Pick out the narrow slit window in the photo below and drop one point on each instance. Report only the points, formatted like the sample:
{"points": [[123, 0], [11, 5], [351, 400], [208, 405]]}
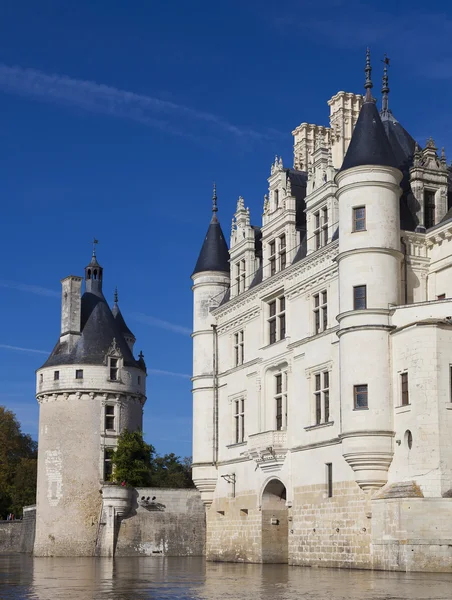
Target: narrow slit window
{"points": [[329, 479], [404, 389]]}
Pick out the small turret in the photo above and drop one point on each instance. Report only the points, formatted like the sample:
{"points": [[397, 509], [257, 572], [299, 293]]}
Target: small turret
{"points": [[93, 274], [127, 334], [214, 255]]}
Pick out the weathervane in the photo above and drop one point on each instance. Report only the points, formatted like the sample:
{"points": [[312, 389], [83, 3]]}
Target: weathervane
{"points": [[95, 242]]}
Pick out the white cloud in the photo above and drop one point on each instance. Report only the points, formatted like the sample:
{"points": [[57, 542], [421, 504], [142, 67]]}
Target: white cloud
{"points": [[99, 98], [154, 322], [169, 373], [31, 289], [20, 349]]}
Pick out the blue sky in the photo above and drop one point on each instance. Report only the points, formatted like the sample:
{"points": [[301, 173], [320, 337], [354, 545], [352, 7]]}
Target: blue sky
{"points": [[115, 119]]}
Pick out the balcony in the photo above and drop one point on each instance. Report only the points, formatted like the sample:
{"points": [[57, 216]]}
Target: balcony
{"points": [[268, 449]]}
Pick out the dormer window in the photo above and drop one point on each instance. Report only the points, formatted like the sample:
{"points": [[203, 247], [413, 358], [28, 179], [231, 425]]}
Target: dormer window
{"points": [[114, 369]]}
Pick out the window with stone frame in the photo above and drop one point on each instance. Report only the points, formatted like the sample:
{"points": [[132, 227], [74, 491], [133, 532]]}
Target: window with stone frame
{"points": [[359, 297], [361, 399], [108, 464], [240, 277], [280, 400], [320, 311], [79, 373], [239, 348], [321, 228], [429, 208], [109, 417], [114, 368], [359, 219], [277, 319], [272, 257], [404, 392], [322, 397], [239, 420]]}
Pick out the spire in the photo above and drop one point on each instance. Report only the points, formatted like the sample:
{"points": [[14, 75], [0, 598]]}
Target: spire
{"points": [[128, 335], [369, 144], [385, 86], [214, 204], [368, 84], [214, 255], [93, 273]]}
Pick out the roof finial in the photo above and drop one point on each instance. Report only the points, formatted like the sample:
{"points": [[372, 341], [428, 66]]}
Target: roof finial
{"points": [[385, 87], [116, 295], [368, 84], [214, 203], [95, 242]]}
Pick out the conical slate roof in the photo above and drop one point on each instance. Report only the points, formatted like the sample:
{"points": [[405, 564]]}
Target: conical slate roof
{"points": [[98, 330], [214, 255], [122, 326], [369, 144]]}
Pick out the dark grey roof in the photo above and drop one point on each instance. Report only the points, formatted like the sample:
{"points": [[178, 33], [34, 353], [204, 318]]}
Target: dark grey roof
{"points": [[98, 330], [257, 279], [116, 312], [303, 249], [214, 255], [369, 144]]}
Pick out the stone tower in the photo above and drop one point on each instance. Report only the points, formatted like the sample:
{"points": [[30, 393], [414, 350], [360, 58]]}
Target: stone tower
{"points": [[89, 389], [210, 282], [369, 262]]}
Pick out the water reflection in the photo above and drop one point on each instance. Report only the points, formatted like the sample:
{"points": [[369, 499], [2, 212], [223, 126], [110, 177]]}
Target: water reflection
{"points": [[24, 577]]}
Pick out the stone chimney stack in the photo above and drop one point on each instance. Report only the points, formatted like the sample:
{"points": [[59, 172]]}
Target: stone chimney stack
{"points": [[70, 309]]}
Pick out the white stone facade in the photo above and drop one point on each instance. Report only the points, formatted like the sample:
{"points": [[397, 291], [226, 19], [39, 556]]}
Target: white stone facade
{"points": [[322, 386]]}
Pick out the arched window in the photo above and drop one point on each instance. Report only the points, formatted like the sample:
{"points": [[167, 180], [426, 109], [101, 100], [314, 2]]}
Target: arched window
{"points": [[89, 273], [95, 274]]}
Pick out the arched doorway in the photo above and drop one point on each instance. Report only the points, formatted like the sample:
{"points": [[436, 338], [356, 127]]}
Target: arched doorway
{"points": [[275, 525]]}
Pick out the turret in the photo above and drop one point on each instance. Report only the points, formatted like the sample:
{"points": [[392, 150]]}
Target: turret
{"points": [[369, 280], [211, 280], [89, 389]]}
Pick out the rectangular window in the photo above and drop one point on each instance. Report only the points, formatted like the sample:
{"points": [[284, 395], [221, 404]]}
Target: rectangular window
{"points": [[56, 375], [359, 218], [320, 312], [404, 389], [239, 420], [360, 394], [429, 208], [277, 319], [240, 276], [272, 258], [281, 400], [113, 369], [108, 465], [79, 374], [321, 228], [329, 479], [359, 297], [239, 348], [282, 252], [322, 397], [110, 417]]}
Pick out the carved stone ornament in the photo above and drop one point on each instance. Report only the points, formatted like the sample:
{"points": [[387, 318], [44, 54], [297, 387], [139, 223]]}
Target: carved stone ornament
{"points": [[114, 350]]}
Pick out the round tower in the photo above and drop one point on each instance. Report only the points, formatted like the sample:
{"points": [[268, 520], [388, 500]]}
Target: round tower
{"points": [[369, 280], [210, 281], [89, 389]]}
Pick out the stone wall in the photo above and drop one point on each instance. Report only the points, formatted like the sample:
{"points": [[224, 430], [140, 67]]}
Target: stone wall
{"points": [[330, 532], [18, 536], [412, 534], [173, 524], [10, 533]]}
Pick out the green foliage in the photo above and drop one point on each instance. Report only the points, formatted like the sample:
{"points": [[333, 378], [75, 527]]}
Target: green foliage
{"points": [[136, 463], [18, 465], [132, 459], [169, 471]]}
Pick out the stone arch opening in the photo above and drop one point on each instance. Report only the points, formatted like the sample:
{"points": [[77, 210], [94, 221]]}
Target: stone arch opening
{"points": [[275, 524]]}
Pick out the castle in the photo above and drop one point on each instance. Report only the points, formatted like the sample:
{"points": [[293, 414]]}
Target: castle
{"points": [[322, 343]]}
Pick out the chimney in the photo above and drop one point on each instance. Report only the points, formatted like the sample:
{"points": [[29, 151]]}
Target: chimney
{"points": [[70, 309]]}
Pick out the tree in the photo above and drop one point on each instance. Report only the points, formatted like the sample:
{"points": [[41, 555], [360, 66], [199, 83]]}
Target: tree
{"points": [[132, 459], [171, 472], [18, 464]]}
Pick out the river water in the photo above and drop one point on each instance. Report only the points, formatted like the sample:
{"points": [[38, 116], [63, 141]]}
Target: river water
{"points": [[192, 578]]}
